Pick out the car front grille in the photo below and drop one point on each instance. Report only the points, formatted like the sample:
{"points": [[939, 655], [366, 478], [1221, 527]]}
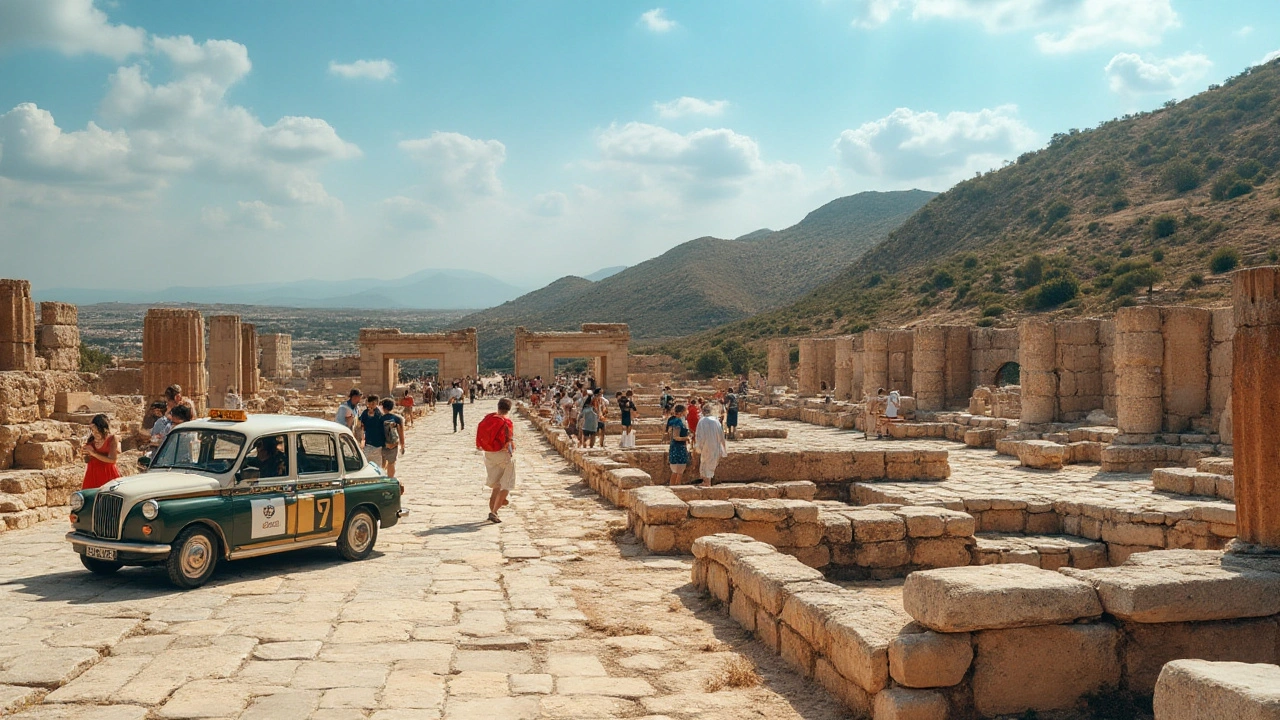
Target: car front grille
{"points": [[106, 516]]}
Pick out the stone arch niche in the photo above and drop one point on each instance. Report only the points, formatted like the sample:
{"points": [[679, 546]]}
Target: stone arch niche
{"points": [[1009, 373], [456, 352], [605, 343]]}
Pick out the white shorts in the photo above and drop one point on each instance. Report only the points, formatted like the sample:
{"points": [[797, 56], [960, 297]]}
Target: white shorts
{"points": [[501, 469]]}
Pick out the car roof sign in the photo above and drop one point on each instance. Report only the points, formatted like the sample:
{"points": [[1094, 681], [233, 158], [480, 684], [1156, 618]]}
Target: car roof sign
{"points": [[228, 415]]}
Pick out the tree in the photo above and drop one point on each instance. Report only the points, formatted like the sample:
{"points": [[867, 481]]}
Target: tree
{"points": [[93, 360], [738, 356], [1054, 291], [1162, 226], [1225, 259], [712, 362], [1180, 176]]}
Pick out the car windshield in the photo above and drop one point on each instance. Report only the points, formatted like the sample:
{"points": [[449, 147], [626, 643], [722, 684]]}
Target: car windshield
{"points": [[211, 451]]}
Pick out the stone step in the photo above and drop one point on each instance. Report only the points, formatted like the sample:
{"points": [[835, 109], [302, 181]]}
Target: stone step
{"points": [[1217, 465], [1049, 552], [1190, 481]]}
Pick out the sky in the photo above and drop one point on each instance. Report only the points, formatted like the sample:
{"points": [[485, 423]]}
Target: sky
{"points": [[151, 143]]}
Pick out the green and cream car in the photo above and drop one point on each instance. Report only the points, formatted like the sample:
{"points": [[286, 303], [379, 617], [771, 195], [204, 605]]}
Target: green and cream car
{"points": [[229, 489]]}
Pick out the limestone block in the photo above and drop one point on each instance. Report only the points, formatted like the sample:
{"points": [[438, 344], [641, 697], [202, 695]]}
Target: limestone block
{"points": [[1182, 586], [1042, 454], [1038, 409], [65, 359], [980, 437], [929, 659], [718, 582], [58, 336], [72, 402], [742, 609], [1140, 382], [940, 552], [659, 506], [659, 538], [766, 578], [1039, 383], [836, 528], [797, 490], [58, 313], [1133, 534], [1202, 690], [873, 526], [1003, 520], [1138, 319], [923, 522], [43, 455], [962, 599], [857, 643], [1043, 668], [1148, 646], [903, 704], [890, 554], [720, 509]]}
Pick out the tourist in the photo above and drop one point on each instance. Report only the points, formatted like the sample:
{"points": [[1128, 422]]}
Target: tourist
{"points": [[495, 436], [572, 411], [407, 404], [173, 397], [589, 424], [602, 412], [455, 402], [471, 389], [710, 445], [233, 401], [159, 424], [667, 401], [875, 415], [392, 436], [429, 395], [678, 451], [731, 414], [627, 408], [695, 414], [371, 430], [272, 461], [348, 410], [100, 452]]}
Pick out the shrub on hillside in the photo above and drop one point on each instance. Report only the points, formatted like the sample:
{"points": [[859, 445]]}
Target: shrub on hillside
{"points": [[1180, 176], [1162, 226], [93, 360], [1031, 272], [1229, 185], [1061, 287], [738, 356], [1224, 259], [1143, 276], [711, 362]]}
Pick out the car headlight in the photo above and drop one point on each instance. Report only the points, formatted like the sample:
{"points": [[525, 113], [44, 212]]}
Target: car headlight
{"points": [[150, 509], [77, 502]]}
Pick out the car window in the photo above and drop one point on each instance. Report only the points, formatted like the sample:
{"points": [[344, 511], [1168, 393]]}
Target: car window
{"points": [[351, 458], [269, 456], [212, 451], [316, 454]]}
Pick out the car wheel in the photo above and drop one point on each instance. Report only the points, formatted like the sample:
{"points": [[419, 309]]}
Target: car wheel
{"points": [[358, 535], [99, 567], [193, 557]]}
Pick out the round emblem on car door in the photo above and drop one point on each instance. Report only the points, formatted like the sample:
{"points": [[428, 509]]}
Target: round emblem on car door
{"points": [[268, 511]]}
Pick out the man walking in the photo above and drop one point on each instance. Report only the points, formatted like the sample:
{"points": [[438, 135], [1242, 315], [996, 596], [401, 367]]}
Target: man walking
{"points": [[392, 436], [496, 437], [371, 424], [349, 410], [710, 445], [455, 401]]}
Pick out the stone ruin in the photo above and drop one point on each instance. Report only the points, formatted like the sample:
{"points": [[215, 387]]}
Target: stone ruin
{"points": [[605, 343], [277, 356]]}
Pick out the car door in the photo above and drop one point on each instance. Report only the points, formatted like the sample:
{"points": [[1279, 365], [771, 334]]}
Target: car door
{"points": [[321, 501], [264, 508]]}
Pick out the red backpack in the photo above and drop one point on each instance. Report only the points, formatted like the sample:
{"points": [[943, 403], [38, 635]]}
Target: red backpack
{"points": [[492, 433]]}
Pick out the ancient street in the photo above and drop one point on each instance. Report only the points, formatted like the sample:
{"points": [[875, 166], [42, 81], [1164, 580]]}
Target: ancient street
{"points": [[554, 613]]}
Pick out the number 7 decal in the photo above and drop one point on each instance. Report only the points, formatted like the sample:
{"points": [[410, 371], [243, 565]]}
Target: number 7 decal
{"points": [[324, 507]]}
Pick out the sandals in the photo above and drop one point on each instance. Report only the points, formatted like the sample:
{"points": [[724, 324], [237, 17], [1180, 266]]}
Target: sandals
{"points": [[493, 518]]}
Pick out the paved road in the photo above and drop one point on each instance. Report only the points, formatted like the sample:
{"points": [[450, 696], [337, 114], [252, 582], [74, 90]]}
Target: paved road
{"points": [[554, 613]]}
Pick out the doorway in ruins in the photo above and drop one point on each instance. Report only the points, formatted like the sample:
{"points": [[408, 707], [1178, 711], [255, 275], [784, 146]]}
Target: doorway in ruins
{"points": [[1008, 374], [415, 369], [579, 366]]}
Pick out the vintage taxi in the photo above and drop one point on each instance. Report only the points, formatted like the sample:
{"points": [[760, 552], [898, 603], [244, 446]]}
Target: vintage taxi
{"points": [[236, 486]]}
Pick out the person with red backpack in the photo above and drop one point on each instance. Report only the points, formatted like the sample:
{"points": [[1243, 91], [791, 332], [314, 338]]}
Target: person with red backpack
{"points": [[495, 435]]}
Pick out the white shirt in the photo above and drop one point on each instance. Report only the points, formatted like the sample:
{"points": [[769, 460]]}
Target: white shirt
{"points": [[455, 394], [345, 415], [892, 404]]}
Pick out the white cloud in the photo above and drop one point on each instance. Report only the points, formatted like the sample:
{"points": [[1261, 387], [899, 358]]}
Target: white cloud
{"points": [[408, 214], [908, 147], [72, 27], [690, 106], [1066, 25], [1129, 74], [1269, 57], [258, 214], [459, 165], [368, 69], [34, 148], [656, 20], [1245, 31], [550, 204]]}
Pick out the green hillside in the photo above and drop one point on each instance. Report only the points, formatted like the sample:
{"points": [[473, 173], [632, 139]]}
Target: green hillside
{"points": [[706, 282], [1154, 207]]}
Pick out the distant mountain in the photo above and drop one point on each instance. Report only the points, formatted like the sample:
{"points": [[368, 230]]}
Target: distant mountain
{"points": [[428, 289], [755, 235], [603, 273], [1154, 207], [705, 282]]}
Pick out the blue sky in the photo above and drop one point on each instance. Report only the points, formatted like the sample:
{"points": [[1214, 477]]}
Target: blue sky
{"points": [[146, 143]]}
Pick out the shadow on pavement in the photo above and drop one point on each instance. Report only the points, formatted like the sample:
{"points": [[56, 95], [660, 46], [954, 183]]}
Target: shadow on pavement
{"points": [[454, 529]]}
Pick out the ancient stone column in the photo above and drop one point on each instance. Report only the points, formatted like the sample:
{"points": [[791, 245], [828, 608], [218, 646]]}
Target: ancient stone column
{"points": [[779, 363], [17, 326], [808, 383], [929, 361], [875, 360], [1185, 371], [1223, 330], [1037, 354], [250, 378], [277, 355], [1139, 357], [959, 360], [173, 352], [225, 354], [844, 368], [1255, 405], [58, 338]]}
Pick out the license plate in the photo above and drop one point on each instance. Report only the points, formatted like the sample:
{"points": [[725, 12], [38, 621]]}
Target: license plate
{"points": [[98, 553]]}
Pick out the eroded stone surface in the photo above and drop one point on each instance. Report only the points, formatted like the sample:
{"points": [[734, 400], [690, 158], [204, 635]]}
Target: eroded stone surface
{"points": [[962, 599]]}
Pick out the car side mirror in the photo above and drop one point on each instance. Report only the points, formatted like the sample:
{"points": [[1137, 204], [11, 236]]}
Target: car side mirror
{"points": [[249, 474], [144, 462]]}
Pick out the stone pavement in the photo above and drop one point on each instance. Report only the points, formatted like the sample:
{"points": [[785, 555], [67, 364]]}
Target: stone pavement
{"points": [[554, 613]]}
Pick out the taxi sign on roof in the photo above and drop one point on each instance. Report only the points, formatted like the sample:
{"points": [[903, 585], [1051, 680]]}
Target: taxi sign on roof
{"points": [[228, 415]]}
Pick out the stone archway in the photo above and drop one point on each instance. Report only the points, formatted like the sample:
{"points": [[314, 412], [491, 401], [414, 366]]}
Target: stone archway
{"points": [[605, 343], [1009, 373], [456, 352]]}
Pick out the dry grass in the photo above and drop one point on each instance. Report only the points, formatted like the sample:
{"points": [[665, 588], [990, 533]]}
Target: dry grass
{"points": [[675, 605], [737, 672], [619, 629], [712, 646]]}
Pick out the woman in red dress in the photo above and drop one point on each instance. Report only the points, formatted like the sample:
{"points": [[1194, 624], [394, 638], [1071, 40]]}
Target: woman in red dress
{"points": [[100, 454]]}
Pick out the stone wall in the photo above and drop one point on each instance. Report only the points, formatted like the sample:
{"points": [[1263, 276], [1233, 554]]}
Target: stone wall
{"points": [[779, 363], [849, 370], [817, 374], [277, 355], [340, 367], [58, 337], [991, 349], [941, 361]]}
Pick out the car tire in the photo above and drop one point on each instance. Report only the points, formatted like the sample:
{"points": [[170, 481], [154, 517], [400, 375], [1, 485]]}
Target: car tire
{"points": [[193, 558], [359, 535], [99, 567]]}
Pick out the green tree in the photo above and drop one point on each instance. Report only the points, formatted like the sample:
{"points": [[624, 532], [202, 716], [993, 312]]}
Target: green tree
{"points": [[1162, 226], [1224, 259], [1180, 176], [93, 360], [1054, 291]]}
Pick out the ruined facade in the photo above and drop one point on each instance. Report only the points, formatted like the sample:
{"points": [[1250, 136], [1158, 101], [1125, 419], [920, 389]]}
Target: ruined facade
{"points": [[17, 326], [779, 363], [249, 385], [225, 352], [606, 344], [173, 352], [58, 337], [277, 355], [380, 348]]}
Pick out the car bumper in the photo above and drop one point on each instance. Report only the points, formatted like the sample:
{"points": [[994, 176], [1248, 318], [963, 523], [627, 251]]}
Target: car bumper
{"points": [[401, 513], [126, 551]]}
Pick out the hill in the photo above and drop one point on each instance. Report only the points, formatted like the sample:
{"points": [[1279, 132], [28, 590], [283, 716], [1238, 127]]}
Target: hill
{"points": [[705, 282], [1153, 207], [603, 273], [428, 289]]}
